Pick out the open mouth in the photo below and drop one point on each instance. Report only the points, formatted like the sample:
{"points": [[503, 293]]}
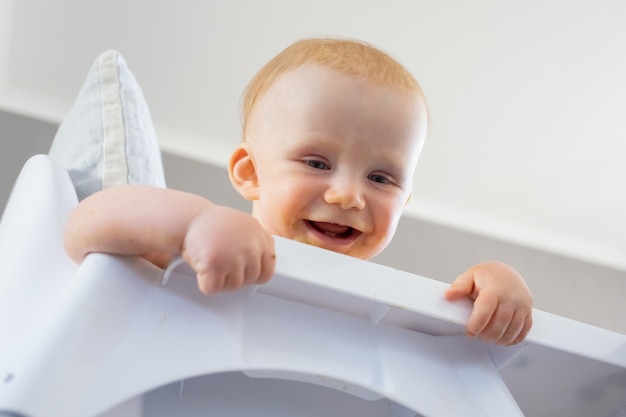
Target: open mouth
{"points": [[333, 230]]}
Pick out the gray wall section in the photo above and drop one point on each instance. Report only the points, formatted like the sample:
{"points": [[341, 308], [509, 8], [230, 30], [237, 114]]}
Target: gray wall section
{"points": [[560, 285], [20, 138]]}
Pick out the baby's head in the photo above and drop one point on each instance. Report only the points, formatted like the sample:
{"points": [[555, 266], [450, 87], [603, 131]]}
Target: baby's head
{"points": [[332, 133], [345, 56]]}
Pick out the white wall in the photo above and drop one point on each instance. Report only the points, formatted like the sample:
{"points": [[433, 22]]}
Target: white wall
{"points": [[527, 98]]}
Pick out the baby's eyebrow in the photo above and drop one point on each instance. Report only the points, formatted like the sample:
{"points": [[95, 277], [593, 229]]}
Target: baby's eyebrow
{"points": [[394, 164]]}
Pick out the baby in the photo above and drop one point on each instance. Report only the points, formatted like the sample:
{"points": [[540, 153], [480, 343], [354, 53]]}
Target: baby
{"points": [[332, 131]]}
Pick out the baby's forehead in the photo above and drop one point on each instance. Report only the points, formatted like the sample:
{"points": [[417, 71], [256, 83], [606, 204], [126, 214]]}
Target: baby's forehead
{"points": [[330, 81], [318, 97]]}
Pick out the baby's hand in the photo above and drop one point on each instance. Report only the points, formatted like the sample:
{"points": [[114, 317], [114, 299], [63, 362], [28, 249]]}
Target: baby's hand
{"points": [[502, 302], [228, 249]]}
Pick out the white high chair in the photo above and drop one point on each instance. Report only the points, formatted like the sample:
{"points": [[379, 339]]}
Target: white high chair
{"points": [[328, 335]]}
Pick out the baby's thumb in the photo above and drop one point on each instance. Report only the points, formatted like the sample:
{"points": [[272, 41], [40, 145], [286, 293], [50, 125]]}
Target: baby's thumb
{"points": [[463, 286]]}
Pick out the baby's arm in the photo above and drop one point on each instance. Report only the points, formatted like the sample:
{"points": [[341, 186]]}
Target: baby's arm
{"points": [[226, 247], [502, 302]]}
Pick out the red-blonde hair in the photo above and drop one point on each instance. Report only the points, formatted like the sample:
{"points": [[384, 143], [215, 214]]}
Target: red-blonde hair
{"points": [[346, 56]]}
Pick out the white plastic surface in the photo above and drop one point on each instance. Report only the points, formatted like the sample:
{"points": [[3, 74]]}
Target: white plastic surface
{"points": [[328, 335]]}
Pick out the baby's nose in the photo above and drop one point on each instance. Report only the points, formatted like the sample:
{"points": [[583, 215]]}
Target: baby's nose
{"points": [[346, 194]]}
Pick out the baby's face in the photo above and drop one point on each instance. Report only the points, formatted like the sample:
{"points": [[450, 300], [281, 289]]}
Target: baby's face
{"points": [[335, 158]]}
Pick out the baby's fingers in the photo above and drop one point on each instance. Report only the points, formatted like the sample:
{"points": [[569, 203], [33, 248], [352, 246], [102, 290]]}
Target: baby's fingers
{"points": [[268, 266], [485, 307], [261, 270], [463, 286], [211, 282], [511, 330], [518, 330], [505, 327]]}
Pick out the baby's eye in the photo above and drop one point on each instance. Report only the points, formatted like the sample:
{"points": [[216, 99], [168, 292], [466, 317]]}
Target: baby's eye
{"points": [[317, 164], [380, 178]]}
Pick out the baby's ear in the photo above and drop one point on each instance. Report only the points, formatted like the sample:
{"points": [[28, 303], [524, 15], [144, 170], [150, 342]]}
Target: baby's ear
{"points": [[242, 173]]}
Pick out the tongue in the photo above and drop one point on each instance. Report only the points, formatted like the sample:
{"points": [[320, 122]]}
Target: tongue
{"points": [[331, 228]]}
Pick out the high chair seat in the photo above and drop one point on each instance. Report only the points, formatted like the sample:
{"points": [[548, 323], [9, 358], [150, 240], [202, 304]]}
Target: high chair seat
{"points": [[328, 335]]}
